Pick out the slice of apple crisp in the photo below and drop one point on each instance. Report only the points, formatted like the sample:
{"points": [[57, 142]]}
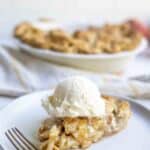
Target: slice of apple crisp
{"points": [[80, 132]]}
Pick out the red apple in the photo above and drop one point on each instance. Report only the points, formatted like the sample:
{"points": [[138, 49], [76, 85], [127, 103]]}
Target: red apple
{"points": [[141, 27]]}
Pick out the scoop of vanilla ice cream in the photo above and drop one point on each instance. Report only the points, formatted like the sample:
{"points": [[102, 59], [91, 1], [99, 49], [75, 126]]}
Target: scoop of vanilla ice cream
{"points": [[45, 25], [75, 96]]}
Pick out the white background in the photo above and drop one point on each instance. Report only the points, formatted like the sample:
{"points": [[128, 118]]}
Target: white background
{"points": [[13, 11]]}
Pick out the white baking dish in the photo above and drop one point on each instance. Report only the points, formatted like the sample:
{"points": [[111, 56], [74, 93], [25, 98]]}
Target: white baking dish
{"points": [[112, 63]]}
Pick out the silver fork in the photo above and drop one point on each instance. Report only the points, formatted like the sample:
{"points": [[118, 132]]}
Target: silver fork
{"points": [[18, 140]]}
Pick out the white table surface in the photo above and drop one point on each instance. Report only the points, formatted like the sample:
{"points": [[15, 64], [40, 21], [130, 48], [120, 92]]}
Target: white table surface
{"points": [[139, 66]]}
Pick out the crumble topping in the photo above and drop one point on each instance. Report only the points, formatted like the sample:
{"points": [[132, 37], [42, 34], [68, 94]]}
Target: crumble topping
{"points": [[92, 40]]}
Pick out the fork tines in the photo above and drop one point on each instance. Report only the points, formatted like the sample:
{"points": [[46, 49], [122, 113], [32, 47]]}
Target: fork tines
{"points": [[18, 140]]}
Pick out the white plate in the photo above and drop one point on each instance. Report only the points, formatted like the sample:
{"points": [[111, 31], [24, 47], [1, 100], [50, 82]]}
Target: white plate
{"points": [[95, 62], [26, 114]]}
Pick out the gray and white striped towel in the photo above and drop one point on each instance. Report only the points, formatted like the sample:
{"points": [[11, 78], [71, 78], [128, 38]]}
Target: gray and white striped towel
{"points": [[21, 73]]}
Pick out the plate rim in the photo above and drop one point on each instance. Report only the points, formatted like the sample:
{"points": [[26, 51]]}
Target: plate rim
{"points": [[18, 100]]}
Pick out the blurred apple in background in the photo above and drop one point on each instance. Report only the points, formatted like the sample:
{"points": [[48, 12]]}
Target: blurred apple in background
{"points": [[141, 27]]}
